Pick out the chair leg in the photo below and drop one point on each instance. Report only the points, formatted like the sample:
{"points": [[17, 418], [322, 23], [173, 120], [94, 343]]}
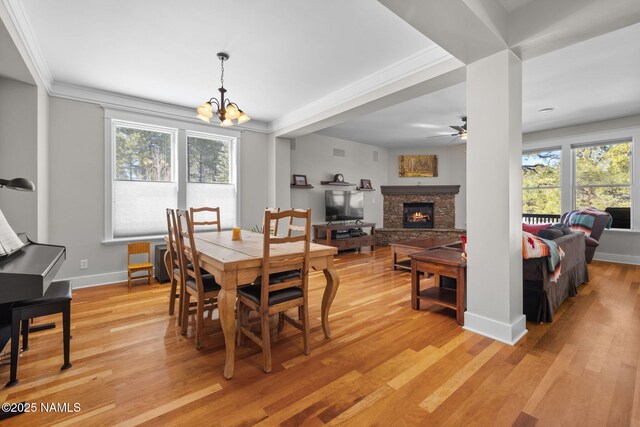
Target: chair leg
{"points": [[240, 322], [199, 321], [66, 334], [25, 335], [266, 341], [15, 344], [129, 279], [149, 276], [306, 333], [184, 302], [280, 322], [181, 293], [172, 296]]}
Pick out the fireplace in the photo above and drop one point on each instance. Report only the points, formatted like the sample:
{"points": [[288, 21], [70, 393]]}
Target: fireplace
{"points": [[417, 215]]}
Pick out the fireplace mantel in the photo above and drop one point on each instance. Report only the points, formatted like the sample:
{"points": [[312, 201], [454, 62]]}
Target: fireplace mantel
{"points": [[419, 189]]}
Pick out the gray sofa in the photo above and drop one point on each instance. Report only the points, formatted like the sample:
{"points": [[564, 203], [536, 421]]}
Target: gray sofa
{"points": [[543, 297], [592, 241]]}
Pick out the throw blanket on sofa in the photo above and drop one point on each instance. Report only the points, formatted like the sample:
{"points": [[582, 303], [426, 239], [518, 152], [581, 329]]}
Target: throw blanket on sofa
{"points": [[583, 220], [535, 247]]}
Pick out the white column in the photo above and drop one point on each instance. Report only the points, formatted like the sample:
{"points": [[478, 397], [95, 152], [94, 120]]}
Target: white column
{"points": [[494, 199], [278, 171]]}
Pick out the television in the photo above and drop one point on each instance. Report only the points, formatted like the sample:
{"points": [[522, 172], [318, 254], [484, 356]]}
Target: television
{"points": [[343, 205]]}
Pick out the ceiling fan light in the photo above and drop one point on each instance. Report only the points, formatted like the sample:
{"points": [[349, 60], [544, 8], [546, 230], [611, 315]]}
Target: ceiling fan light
{"points": [[243, 118], [226, 123]]}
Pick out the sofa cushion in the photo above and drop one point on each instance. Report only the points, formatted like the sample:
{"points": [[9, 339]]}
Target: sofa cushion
{"points": [[562, 227], [550, 233], [534, 228]]}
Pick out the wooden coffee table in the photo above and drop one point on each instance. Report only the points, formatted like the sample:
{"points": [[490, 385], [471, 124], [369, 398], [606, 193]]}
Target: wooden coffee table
{"points": [[408, 247]]}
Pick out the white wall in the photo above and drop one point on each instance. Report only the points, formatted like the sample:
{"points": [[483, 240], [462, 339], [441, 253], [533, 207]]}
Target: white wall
{"points": [[313, 156], [452, 170], [615, 245], [77, 141], [19, 153]]}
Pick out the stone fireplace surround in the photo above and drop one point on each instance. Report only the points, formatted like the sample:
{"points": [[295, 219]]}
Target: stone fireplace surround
{"points": [[443, 198]]}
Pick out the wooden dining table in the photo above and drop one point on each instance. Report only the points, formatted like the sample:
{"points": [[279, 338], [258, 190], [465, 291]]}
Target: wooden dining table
{"points": [[237, 263]]}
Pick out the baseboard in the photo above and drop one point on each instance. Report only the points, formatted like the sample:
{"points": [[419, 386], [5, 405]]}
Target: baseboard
{"points": [[499, 331], [619, 258], [96, 279]]}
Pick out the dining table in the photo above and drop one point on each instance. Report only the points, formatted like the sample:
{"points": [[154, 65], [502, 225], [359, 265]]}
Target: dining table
{"points": [[236, 263]]}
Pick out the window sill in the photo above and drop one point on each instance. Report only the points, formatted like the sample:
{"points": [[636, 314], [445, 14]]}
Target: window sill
{"points": [[126, 240], [622, 230]]}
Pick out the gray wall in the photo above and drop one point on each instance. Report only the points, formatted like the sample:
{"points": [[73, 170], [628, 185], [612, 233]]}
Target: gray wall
{"points": [[19, 153], [314, 157], [77, 190], [452, 170]]}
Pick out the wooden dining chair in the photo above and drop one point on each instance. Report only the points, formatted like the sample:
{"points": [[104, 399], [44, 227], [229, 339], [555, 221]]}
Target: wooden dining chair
{"points": [[139, 248], [214, 211], [202, 287], [282, 285], [273, 227], [173, 269]]}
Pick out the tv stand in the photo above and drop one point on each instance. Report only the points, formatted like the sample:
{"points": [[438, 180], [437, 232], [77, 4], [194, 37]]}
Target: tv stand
{"points": [[322, 234]]}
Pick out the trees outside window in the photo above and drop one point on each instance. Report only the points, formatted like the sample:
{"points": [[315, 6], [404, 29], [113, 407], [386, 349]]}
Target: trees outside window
{"points": [[541, 190], [603, 176]]}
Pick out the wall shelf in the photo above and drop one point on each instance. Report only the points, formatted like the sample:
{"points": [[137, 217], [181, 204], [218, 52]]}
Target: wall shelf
{"points": [[301, 186], [365, 189], [343, 184]]}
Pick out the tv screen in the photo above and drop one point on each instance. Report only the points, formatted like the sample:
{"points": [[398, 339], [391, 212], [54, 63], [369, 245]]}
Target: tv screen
{"points": [[343, 205]]}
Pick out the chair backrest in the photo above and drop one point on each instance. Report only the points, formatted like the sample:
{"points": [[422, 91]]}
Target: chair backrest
{"points": [[273, 227], [297, 261], [172, 247], [215, 211], [190, 261], [137, 248]]}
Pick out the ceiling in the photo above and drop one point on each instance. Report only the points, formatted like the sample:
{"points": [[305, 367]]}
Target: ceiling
{"points": [[284, 53], [590, 81]]}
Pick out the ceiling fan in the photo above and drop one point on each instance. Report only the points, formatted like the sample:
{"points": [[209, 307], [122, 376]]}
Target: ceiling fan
{"points": [[461, 131]]}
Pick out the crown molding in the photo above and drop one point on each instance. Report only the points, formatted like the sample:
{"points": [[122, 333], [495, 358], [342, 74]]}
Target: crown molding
{"points": [[116, 101], [407, 67], [18, 17]]}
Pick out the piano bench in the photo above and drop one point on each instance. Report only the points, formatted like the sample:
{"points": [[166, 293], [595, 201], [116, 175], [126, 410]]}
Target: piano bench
{"points": [[57, 299]]}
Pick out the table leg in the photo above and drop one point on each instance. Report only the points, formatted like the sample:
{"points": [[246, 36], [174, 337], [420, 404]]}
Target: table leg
{"points": [[333, 282], [226, 307], [415, 286], [460, 289], [394, 258]]}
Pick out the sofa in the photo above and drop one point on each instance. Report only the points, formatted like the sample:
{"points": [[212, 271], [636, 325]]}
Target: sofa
{"points": [[541, 297]]}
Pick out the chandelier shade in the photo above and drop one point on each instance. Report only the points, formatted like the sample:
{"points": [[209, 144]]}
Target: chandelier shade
{"points": [[226, 110]]}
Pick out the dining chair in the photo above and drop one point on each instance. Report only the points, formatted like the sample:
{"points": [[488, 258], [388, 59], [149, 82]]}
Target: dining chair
{"points": [[139, 248], [273, 227], [173, 269], [202, 287], [214, 211], [281, 286]]}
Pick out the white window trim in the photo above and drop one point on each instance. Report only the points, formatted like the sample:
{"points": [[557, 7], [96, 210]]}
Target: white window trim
{"points": [[182, 128], [594, 138]]}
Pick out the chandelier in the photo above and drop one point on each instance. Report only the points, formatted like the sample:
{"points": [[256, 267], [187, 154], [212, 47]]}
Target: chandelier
{"points": [[226, 110]]}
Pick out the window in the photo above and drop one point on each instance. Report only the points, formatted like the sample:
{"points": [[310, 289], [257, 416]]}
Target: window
{"points": [[541, 182], [154, 168], [603, 175], [210, 167], [143, 179]]}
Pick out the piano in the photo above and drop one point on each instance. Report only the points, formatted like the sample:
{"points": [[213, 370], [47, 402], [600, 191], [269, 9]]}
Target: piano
{"points": [[26, 274]]}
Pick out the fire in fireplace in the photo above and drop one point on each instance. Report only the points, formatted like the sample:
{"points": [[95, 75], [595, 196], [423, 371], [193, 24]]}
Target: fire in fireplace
{"points": [[417, 215]]}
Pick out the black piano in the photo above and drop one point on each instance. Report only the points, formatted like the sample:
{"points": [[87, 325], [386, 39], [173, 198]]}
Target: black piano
{"points": [[26, 274]]}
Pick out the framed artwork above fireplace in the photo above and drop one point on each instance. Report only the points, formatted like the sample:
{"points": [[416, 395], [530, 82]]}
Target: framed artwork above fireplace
{"points": [[418, 166]]}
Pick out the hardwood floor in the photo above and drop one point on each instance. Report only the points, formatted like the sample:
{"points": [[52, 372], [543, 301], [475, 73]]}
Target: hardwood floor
{"points": [[385, 365]]}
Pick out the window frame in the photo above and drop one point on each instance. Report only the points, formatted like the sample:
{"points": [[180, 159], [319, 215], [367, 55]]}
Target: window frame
{"points": [[546, 187], [179, 165], [631, 186]]}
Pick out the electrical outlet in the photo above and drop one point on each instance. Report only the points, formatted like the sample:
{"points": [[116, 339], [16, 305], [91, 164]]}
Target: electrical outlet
{"points": [[84, 264]]}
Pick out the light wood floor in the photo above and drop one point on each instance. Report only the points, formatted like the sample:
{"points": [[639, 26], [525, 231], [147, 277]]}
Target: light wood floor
{"points": [[385, 365]]}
